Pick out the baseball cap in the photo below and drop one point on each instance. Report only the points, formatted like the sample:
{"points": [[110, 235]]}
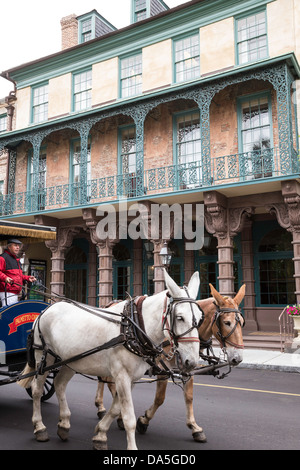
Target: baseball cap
{"points": [[14, 240]]}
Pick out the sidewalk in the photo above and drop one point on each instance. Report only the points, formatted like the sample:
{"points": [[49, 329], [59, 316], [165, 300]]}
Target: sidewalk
{"points": [[272, 360]]}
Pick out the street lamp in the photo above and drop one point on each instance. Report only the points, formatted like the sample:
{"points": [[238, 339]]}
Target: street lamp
{"points": [[165, 256]]}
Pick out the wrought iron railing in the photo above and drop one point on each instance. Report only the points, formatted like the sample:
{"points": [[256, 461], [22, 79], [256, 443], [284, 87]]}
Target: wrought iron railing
{"points": [[286, 329], [230, 169]]}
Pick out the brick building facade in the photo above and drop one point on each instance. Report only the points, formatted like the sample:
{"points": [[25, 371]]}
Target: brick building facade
{"points": [[196, 104]]}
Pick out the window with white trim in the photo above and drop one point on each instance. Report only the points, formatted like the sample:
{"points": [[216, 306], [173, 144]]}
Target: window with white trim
{"points": [[82, 88], [131, 76], [187, 58], [40, 103], [251, 34]]}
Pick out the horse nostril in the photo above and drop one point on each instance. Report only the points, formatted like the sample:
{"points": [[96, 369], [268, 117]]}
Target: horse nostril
{"points": [[189, 364]]}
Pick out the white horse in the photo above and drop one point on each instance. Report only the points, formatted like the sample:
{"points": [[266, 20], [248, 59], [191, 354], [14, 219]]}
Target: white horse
{"points": [[68, 330]]}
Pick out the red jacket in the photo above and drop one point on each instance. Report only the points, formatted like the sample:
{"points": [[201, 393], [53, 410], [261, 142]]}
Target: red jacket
{"points": [[10, 267]]}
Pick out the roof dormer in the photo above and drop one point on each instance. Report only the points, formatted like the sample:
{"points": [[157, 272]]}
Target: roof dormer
{"points": [[142, 9], [92, 25]]}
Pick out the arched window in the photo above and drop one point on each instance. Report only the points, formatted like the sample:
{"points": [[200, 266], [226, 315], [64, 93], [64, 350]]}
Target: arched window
{"points": [[176, 269], [76, 271], [275, 268], [122, 270]]}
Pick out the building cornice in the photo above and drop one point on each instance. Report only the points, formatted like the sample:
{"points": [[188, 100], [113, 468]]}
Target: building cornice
{"points": [[168, 24], [289, 59]]}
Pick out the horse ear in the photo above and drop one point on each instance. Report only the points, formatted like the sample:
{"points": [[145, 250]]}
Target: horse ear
{"points": [[193, 286], [218, 297], [173, 288], [240, 295]]}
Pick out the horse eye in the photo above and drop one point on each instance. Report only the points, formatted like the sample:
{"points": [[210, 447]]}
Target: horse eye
{"points": [[180, 318], [227, 323]]}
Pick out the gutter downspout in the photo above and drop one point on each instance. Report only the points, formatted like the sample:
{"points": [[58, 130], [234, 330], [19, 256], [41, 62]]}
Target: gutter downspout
{"points": [[10, 114]]}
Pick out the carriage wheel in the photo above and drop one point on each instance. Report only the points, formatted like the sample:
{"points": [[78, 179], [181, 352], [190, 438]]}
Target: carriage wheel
{"points": [[49, 389]]}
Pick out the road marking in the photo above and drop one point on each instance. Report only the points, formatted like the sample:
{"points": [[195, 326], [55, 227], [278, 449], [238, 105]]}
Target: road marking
{"points": [[249, 390]]}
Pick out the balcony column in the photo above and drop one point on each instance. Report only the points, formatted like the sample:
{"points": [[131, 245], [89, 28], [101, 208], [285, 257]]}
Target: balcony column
{"points": [[36, 141], [203, 98], [138, 114], [224, 223], [58, 249], [84, 130], [282, 80]]}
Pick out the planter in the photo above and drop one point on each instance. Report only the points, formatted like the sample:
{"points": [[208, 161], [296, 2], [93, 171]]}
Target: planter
{"points": [[297, 328]]}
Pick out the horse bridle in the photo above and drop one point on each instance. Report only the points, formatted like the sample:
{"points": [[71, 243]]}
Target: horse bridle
{"points": [[170, 311], [217, 319]]}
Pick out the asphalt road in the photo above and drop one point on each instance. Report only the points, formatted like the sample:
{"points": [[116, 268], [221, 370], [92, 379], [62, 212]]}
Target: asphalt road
{"points": [[249, 410]]}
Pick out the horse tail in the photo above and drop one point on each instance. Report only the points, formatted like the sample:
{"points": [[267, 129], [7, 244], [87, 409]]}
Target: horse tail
{"points": [[25, 383]]}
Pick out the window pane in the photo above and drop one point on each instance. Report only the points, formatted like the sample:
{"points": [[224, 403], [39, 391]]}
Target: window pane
{"points": [[40, 104], [131, 76], [82, 90], [187, 58], [252, 38]]}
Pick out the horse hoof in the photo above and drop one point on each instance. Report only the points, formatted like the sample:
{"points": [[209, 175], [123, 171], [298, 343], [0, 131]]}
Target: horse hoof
{"points": [[42, 436], [63, 433], [100, 445], [199, 436], [120, 424], [101, 414], [141, 427]]}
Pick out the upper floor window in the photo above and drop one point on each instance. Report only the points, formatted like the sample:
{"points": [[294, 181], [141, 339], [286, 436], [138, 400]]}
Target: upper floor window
{"points": [[131, 76], [256, 136], [86, 30], [82, 90], [187, 58], [92, 25], [40, 191], [140, 10], [127, 161], [39, 103], [188, 149], [76, 171], [3, 123], [251, 34]]}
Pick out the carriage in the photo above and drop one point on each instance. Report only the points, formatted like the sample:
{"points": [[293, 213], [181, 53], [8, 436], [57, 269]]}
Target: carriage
{"points": [[16, 320]]}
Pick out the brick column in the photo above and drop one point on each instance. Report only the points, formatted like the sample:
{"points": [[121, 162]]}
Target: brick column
{"points": [[105, 271], [105, 257], [93, 262], [224, 223], [58, 249], [159, 280]]}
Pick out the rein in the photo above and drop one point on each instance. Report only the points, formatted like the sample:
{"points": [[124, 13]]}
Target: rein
{"points": [[132, 336]]}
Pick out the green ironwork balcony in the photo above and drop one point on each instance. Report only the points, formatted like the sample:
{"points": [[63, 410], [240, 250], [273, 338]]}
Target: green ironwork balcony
{"points": [[236, 169]]}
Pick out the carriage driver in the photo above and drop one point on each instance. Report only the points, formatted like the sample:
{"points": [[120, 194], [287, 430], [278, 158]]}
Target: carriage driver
{"points": [[11, 275]]}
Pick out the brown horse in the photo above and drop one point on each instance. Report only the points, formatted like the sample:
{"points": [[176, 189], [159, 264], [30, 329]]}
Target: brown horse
{"points": [[222, 319]]}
